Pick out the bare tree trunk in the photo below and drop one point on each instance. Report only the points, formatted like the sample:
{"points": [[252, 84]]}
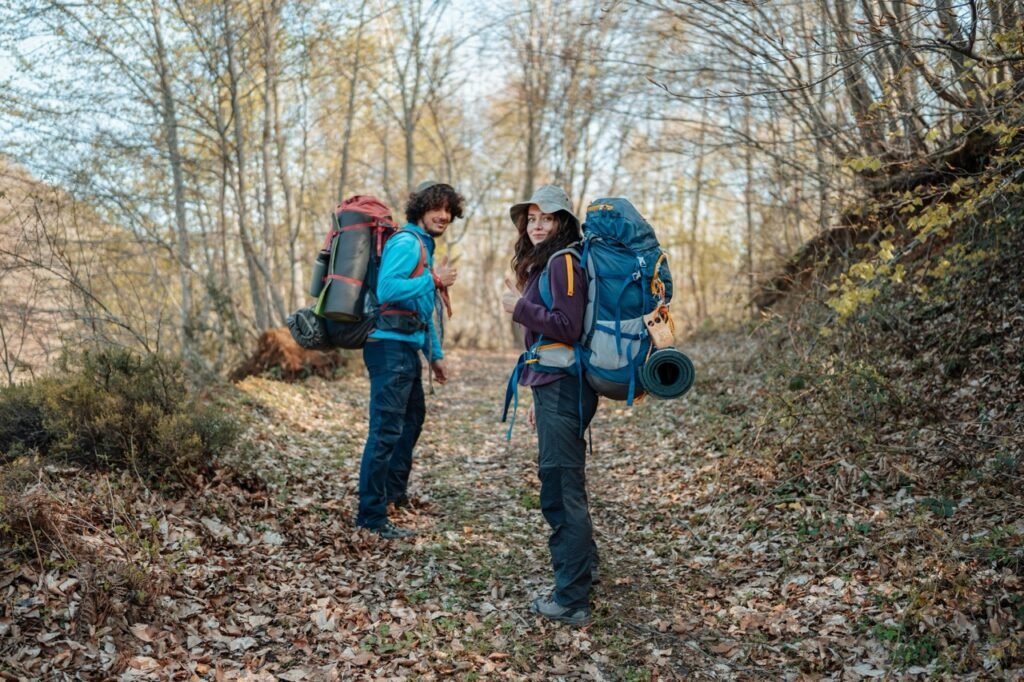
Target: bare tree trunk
{"points": [[223, 182], [385, 155], [896, 17], [421, 60], [262, 318], [350, 110], [170, 124], [530, 166], [620, 153], [410, 92], [698, 187], [857, 91], [966, 76], [291, 220], [821, 163], [269, 24], [748, 201], [536, 84]]}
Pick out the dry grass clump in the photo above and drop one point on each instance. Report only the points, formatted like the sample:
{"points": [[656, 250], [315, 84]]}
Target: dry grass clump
{"points": [[31, 521]]}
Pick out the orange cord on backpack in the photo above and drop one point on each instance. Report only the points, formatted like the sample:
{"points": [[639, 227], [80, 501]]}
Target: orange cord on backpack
{"points": [[657, 286]]}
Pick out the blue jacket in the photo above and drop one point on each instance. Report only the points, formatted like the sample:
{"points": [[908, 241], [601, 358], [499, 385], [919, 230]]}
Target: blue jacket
{"points": [[395, 285]]}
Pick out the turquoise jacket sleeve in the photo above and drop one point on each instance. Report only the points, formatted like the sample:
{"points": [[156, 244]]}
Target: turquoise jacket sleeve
{"points": [[434, 351]]}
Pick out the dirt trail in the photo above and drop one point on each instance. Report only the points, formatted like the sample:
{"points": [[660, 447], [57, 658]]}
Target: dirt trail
{"points": [[455, 599]]}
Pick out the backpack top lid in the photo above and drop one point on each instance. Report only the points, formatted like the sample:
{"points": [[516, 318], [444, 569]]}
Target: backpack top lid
{"points": [[617, 219], [368, 206]]}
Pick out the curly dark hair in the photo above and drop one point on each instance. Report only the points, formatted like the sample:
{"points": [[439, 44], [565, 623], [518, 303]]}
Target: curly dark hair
{"points": [[527, 256], [433, 197]]}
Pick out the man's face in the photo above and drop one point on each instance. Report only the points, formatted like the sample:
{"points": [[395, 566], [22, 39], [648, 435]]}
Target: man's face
{"points": [[435, 221]]}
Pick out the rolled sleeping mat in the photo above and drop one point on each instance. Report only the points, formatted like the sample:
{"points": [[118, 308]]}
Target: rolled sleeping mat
{"points": [[308, 329], [668, 373], [350, 253]]}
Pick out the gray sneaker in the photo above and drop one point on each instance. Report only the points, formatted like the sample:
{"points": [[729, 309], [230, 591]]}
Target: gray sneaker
{"points": [[390, 531], [552, 610]]}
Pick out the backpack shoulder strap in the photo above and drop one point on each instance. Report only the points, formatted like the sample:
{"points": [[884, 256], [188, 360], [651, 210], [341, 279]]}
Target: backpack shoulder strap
{"points": [[422, 264], [544, 284]]}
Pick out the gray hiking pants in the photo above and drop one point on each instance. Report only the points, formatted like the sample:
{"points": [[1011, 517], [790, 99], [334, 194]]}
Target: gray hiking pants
{"points": [[563, 485]]}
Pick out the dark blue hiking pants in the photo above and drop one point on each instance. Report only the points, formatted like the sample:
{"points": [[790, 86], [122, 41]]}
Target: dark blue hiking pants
{"points": [[563, 485], [397, 410]]}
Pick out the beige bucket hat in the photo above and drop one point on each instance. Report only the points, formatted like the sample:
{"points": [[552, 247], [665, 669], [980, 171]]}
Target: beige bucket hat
{"points": [[550, 199]]}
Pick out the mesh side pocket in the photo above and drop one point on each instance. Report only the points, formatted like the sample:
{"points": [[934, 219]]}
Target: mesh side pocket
{"points": [[602, 347]]}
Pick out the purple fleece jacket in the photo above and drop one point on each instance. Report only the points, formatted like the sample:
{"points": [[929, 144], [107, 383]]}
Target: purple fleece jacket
{"points": [[563, 322]]}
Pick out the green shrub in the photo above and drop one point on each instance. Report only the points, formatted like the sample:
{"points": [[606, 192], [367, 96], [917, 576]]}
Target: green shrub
{"points": [[21, 422], [115, 410]]}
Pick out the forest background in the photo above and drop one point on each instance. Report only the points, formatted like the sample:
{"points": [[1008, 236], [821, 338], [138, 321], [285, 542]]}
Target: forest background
{"points": [[839, 185], [192, 152]]}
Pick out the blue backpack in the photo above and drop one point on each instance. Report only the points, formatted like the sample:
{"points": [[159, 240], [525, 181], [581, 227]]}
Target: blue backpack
{"points": [[627, 277]]}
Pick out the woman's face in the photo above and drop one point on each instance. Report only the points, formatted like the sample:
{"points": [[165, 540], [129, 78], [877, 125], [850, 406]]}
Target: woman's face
{"points": [[539, 225]]}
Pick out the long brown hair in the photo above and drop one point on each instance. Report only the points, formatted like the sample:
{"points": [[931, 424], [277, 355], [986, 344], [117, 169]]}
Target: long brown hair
{"points": [[527, 256]]}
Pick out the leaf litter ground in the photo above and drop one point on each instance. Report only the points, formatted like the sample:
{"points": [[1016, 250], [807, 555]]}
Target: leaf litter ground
{"points": [[712, 567]]}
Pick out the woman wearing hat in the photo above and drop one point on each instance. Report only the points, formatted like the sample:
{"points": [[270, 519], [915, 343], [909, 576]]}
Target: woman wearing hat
{"points": [[562, 405]]}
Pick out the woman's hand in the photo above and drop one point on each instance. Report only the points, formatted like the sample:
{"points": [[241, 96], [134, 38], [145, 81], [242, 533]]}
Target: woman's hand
{"points": [[509, 297]]}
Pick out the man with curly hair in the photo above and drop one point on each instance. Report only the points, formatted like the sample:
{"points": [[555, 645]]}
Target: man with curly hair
{"points": [[408, 282]]}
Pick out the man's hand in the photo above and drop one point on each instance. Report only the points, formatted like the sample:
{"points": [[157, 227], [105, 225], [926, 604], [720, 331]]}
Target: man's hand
{"points": [[509, 297], [445, 273], [440, 371]]}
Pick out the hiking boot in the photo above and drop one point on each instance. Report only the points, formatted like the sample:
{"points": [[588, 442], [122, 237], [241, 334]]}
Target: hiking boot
{"points": [[390, 531], [414, 504], [552, 610]]}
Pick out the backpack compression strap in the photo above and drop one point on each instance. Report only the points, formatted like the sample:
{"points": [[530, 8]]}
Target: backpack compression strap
{"points": [[379, 226], [512, 394], [442, 291], [616, 330], [544, 285], [626, 279], [657, 285], [421, 266]]}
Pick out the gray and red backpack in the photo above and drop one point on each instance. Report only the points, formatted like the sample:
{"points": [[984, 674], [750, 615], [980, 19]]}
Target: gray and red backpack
{"points": [[344, 280]]}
